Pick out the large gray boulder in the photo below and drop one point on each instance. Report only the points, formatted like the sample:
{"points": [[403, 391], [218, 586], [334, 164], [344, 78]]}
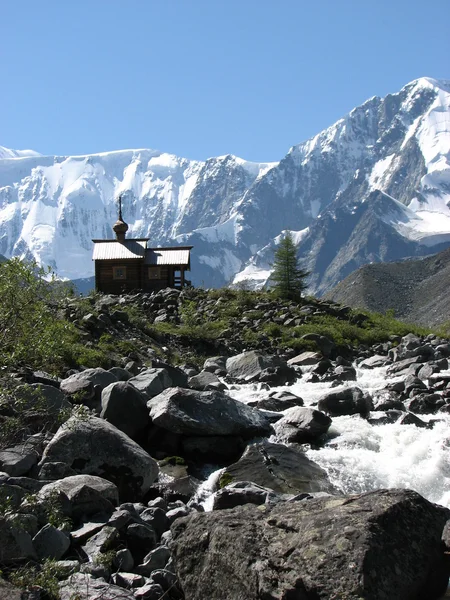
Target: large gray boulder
{"points": [[50, 542], [151, 382], [88, 494], [300, 424], [95, 447], [194, 413], [249, 365], [377, 546], [15, 543], [79, 382], [280, 468], [348, 401], [125, 407], [85, 587]]}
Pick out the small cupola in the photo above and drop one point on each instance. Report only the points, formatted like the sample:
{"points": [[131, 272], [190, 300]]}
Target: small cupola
{"points": [[120, 227]]}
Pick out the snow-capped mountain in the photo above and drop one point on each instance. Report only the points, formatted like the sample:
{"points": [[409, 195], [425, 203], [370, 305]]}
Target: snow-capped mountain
{"points": [[374, 186]]}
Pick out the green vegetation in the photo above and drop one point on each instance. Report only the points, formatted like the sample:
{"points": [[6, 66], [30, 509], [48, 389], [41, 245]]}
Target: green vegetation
{"points": [[288, 277], [225, 479], [45, 576]]}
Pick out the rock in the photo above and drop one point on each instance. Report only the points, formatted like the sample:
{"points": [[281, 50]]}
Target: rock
{"points": [[149, 591], [242, 492], [120, 374], [279, 401], [125, 407], [9, 592], [215, 363], [83, 586], [18, 460], [373, 362], [79, 382], [249, 365], [193, 413], [51, 542], [279, 468], [95, 447], [326, 346], [300, 425], [55, 470], [101, 542], [151, 382], [71, 486], [126, 580], [15, 543], [177, 376], [386, 399], [348, 401], [123, 560], [155, 559], [305, 359], [157, 519], [141, 538], [375, 546], [205, 379]]}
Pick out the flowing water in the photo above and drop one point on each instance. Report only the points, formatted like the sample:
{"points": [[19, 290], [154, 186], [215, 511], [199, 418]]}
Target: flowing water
{"points": [[360, 457]]}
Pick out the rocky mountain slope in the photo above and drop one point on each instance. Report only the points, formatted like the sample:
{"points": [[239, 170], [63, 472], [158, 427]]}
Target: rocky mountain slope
{"points": [[416, 290], [374, 186], [103, 471]]}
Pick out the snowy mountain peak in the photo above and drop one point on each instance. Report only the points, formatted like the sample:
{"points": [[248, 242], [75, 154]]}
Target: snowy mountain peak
{"points": [[372, 186], [7, 153]]}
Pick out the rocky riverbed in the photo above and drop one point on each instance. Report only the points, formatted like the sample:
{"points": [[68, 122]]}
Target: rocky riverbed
{"points": [[260, 476]]}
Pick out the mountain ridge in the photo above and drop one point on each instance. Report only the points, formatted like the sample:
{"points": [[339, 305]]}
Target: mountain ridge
{"points": [[233, 211]]}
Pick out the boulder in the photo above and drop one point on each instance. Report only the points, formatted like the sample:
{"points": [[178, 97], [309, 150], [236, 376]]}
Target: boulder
{"points": [[348, 401], [215, 449], [204, 379], [326, 346], [151, 382], [79, 383], [125, 407], [15, 543], [281, 468], [50, 542], [215, 363], [193, 413], [249, 365], [242, 492], [86, 587], [95, 447], [377, 546], [301, 425], [18, 460], [373, 362], [279, 401], [305, 359]]}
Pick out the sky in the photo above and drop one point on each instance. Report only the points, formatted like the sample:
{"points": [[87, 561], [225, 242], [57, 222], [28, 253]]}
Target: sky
{"points": [[203, 78]]}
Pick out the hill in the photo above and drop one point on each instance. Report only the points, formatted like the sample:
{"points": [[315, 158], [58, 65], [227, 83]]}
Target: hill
{"points": [[415, 289]]}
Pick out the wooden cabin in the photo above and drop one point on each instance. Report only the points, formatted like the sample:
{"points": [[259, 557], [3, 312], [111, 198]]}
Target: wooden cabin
{"points": [[129, 264]]}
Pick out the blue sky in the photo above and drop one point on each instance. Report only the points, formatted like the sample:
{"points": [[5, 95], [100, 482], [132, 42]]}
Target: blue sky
{"points": [[202, 78]]}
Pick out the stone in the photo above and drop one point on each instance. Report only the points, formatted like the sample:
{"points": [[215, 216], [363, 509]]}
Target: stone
{"points": [[279, 401], [215, 363], [280, 468], [9, 592], [101, 542], [86, 587], [124, 560], [125, 407], [242, 492], [141, 538], [301, 425], [95, 447], [126, 580], [149, 591], [151, 382], [120, 373], [203, 380], [71, 485], [155, 559], [79, 382], [376, 546], [18, 460], [193, 413], [51, 542], [373, 362], [348, 401], [305, 359], [15, 543], [249, 365], [326, 346]]}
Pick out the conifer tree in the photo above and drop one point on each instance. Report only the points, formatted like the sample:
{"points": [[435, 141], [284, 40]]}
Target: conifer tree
{"points": [[288, 278]]}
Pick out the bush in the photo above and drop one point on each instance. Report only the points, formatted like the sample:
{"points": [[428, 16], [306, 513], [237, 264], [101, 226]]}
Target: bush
{"points": [[31, 330]]}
